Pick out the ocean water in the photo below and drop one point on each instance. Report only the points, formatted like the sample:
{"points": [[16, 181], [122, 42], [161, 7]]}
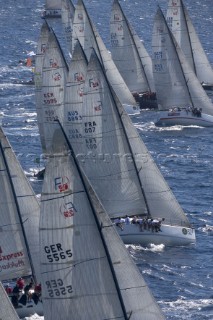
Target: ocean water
{"points": [[181, 278]]}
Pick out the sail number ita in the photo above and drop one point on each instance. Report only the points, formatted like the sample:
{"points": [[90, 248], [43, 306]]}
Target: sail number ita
{"points": [[55, 252]]}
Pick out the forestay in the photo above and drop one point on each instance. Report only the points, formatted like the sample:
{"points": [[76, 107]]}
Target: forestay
{"points": [[182, 27], [87, 272], [6, 307], [175, 82], [85, 31], [67, 16], [54, 77], [135, 67], [19, 219], [41, 47]]}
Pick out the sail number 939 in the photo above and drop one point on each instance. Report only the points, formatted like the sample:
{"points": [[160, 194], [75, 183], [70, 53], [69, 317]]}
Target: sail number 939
{"points": [[55, 252]]}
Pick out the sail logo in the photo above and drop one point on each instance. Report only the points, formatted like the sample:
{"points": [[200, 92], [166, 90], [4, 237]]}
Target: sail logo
{"points": [[174, 3], [68, 210], [98, 106], [80, 92], [78, 76], [117, 17], [56, 76], [175, 12], [81, 29], [160, 30], [80, 16], [53, 63], [120, 27], [93, 83], [62, 184], [43, 47]]}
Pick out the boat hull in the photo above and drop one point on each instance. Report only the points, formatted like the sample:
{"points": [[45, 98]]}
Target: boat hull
{"points": [[29, 309], [146, 101], [183, 118], [169, 235]]}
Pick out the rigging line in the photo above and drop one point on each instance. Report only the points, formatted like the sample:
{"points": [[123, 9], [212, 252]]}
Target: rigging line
{"points": [[18, 210], [97, 222], [62, 196]]}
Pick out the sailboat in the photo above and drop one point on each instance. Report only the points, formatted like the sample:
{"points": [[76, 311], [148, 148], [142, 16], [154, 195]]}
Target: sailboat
{"points": [[19, 222], [180, 23], [6, 307], [177, 87], [120, 168], [52, 9], [87, 273], [88, 36], [131, 58]]}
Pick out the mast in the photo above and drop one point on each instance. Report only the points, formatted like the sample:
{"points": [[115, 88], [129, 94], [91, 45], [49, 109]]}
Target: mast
{"points": [[96, 220], [18, 210]]}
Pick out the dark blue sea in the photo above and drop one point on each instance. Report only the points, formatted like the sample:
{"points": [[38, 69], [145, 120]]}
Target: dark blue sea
{"points": [[181, 279]]}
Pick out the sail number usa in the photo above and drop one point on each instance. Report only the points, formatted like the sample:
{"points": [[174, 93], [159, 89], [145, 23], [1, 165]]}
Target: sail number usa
{"points": [[56, 253], [56, 288]]}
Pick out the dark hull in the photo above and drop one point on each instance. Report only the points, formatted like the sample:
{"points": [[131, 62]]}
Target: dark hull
{"points": [[146, 101]]}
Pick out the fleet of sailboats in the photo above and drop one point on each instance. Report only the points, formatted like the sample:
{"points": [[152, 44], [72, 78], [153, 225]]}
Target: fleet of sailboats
{"points": [[178, 89], [131, 58], [19, 223], [180, 23]]}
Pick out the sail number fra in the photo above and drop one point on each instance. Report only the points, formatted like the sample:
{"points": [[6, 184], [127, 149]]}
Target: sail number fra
{"points": [[57, 288], [56, 253]]}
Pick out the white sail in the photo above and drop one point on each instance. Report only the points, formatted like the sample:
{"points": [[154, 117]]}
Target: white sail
{"points": [[41, 47], [19, 219], [67, 16], [54, 76], [88, 36], [116, 161], [74, 96], [87, 272], [181, 25], [134, 66], [175, 82], [7, 310]]}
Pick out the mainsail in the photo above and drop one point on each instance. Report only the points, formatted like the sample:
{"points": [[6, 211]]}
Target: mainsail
{"points": [[54, 75], [19, 219], [175, 82], [85, 31], [87, 272], [7, 310], [41, 47], [67, 16], [181, 25], [129, 53], [115, 159]]}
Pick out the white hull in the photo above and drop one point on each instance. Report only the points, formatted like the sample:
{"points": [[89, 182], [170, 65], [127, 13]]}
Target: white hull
{"points": [[184, 118], [132, 109], [169, 235], [29, 309]]}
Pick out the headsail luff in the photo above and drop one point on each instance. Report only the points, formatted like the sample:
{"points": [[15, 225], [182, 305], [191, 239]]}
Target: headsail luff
{"points": [[182, 27], [117, 162], [134, 66], [41, 47], [67, 16], [19, 219], [85, 31], [74, 96], [7, 310], [82, 254], [54, 76], [175, 82]]}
